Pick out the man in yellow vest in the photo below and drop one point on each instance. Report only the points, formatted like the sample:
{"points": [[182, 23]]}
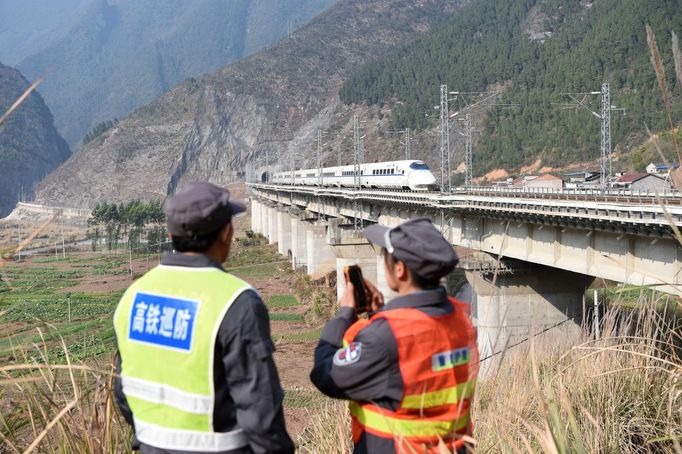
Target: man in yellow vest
{"points": [[409, 370], [195, 371]]}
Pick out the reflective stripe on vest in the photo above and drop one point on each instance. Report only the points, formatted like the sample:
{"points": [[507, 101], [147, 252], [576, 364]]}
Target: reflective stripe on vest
{"points": [[187, 440], [436, 357], [385, 423], [166, 327], [447, 396], [167, 395]]}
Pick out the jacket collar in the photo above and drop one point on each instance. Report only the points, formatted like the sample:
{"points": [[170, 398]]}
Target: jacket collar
{"points": [[421, 298], [190, 261]]}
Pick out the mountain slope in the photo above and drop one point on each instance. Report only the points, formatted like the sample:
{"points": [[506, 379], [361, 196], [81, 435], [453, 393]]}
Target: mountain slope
{"points": [[121, 54], [30, 146], [535, 49], [209, 128]]}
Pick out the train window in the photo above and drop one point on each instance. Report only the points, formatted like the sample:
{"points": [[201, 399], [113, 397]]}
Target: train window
{"points": [[419, 166]]}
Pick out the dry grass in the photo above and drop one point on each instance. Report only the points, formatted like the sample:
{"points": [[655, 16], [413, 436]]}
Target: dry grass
{"points": [[563, 395], [51, 405], [329, 430], [620, 394]]}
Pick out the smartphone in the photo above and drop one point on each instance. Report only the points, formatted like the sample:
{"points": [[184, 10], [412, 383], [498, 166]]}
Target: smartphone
{"points": [[353, 275]]}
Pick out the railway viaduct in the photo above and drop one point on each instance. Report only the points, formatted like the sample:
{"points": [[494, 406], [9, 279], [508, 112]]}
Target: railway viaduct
{"points": [[528, 256]]}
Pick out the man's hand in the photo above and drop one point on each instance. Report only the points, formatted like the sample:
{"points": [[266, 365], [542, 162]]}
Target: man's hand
{"points": [[375, 296]]}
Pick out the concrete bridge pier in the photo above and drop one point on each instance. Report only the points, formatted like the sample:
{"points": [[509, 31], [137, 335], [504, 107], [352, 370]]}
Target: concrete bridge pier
{"points": [[264, 220], [509, 308], [283, 233], [362, 255], [299, 255], [272, 225], [256, 218], [320, 258]]}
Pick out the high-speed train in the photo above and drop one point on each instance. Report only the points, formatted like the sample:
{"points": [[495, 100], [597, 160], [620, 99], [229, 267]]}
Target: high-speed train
{"points": [[414, 175]]}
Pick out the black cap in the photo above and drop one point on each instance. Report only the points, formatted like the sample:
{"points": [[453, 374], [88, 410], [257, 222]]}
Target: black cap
{"points": [[199, 209], [417, 243]]}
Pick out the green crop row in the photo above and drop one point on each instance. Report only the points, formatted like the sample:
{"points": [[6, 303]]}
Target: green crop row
{"points": [[306, 336], [286, 316], [281, 301], [55, 310]]}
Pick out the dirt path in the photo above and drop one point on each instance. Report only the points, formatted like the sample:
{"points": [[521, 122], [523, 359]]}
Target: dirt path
{"points": [[293, 356]]}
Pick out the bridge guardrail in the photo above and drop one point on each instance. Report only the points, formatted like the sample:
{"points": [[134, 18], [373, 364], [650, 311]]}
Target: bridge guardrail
{"points": [[633, 207]]}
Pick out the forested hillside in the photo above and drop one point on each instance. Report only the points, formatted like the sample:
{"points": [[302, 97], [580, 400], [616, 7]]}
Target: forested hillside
{"points": [[30, 146], [535, 49], [116, 55]]}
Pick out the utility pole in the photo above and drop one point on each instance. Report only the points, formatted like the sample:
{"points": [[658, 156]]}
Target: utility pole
{"points": [[606, 171], [357, 161], [445, 185], [408, 152], [63, 241], [267, 163], [20, 241], [68, 302], [320, 180], [484, 98], [595, 315], [469, 159], [293, 174], [580, 101]]}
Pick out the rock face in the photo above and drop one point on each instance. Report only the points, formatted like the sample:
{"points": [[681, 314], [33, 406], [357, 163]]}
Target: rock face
{"points": [[117, 55], [210, 128], [30, 146]]}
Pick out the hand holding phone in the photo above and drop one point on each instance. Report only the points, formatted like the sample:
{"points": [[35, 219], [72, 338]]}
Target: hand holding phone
{"points": [[361, 293]]}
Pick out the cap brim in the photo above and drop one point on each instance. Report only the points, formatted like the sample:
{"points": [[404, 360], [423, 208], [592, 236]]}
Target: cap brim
{"points": [[376, 234], [237, 208]]}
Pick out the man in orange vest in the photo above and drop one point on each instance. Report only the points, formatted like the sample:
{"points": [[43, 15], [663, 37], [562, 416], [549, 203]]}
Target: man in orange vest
{"points": [[409, 370]]}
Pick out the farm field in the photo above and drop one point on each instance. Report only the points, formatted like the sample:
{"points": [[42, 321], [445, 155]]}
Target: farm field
{"points": [[37, 326]]}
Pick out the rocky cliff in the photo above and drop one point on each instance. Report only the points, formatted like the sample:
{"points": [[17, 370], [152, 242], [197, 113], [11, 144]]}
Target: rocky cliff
{"points": [[209, 128], [30, 146]]}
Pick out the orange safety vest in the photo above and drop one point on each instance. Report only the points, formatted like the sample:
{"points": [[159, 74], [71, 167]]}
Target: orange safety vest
{"points": [[438, 363]]}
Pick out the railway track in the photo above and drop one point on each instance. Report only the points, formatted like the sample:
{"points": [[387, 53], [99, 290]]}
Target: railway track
{"points": [[625, 197]]}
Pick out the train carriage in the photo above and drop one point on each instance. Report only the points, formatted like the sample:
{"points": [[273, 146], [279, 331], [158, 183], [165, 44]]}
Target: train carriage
{"points": [[407, 174]]}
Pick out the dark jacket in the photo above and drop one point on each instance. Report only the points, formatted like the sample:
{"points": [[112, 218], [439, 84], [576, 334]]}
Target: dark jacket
{"points": [[247, 388], [375, 376]]}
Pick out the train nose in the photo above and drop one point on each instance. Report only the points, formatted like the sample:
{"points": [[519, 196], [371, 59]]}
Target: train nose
{"points": [[421, 180]]}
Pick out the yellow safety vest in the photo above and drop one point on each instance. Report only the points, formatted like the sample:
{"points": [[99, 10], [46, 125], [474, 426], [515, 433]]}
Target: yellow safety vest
{"points": [[166, 326]]}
